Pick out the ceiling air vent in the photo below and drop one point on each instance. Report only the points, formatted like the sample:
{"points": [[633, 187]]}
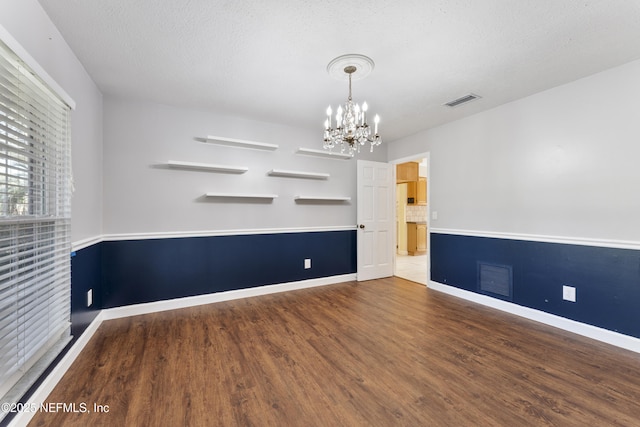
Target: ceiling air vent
{"points": [[462, 100]]}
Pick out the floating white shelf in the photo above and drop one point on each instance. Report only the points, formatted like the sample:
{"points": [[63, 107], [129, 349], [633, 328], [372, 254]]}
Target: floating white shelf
{"points": [[242, 195], [298, 174], [322, 198], [206, 167], [240, 143], [323, 153]]}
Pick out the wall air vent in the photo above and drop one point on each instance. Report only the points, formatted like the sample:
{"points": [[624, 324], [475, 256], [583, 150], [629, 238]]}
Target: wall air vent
{"points": [[462, 100], [495, 280]]}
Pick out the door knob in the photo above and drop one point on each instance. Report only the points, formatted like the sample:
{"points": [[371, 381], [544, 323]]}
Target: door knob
{"points": [[361, 225]]}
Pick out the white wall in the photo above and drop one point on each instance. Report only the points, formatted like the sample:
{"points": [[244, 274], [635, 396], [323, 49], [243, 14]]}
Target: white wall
{"points": [[119, 190], [141, 196], [27, 22], [563, 162]]}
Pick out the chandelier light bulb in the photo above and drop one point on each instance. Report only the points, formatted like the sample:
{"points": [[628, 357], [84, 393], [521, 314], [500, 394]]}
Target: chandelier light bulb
{"points": [[365, 107]]}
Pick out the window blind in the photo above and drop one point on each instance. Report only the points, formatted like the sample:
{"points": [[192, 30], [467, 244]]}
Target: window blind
{"points": [[35, 220]]}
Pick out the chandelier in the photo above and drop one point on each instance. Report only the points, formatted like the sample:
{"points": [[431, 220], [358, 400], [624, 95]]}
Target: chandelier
{"points": [[351, 129]]}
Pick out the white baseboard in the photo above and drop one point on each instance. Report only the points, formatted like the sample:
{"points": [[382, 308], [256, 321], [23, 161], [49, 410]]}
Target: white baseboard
{"points": [[600, 334], [153, 307], [42, 392]]}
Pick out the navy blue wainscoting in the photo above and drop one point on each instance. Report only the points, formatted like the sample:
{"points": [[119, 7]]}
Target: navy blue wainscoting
{"points": [[139, 271], [86, 273], [607, 280]]}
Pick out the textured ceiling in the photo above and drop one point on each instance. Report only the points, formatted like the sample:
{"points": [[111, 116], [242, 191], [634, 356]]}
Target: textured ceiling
{"points": [[267, 60]]}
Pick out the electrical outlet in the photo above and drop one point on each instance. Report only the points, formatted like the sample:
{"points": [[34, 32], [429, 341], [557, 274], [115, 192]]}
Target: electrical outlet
{"points": [[89, 297], [307, 263], [434, 215], [568, 293]]}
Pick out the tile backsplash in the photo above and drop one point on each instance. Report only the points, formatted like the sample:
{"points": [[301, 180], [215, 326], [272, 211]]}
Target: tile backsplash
{"points": [[416, 213]]}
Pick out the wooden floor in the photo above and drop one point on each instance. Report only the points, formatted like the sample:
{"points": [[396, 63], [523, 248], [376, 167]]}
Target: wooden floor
{"points": [[379, 353]]}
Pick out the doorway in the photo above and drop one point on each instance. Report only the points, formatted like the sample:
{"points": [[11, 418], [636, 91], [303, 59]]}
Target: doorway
{"points": [[411, 249]]}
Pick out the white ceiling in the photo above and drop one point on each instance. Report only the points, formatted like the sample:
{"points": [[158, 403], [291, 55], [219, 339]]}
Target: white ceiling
{"points": [[266, 59]]}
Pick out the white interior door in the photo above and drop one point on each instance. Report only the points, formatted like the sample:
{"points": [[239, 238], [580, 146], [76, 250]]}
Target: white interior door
{"points": [[375, 220]]}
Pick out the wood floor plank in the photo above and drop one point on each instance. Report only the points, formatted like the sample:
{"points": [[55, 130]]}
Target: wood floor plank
{"points": [[377, 353]]}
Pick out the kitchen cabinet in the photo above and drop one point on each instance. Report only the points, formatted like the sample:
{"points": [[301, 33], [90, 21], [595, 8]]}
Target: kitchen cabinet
{"points": [[407, 172], [416, 238], [417, 191]]}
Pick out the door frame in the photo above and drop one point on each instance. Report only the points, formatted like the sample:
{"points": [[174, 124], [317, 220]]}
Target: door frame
{"points": [[427, 156]]}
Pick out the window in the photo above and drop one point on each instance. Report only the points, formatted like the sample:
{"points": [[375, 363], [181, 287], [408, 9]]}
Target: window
{"points": [[35, 221]]}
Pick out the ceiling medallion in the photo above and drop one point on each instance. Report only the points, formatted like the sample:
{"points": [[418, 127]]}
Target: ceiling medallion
{"points": [[351, 128]]}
